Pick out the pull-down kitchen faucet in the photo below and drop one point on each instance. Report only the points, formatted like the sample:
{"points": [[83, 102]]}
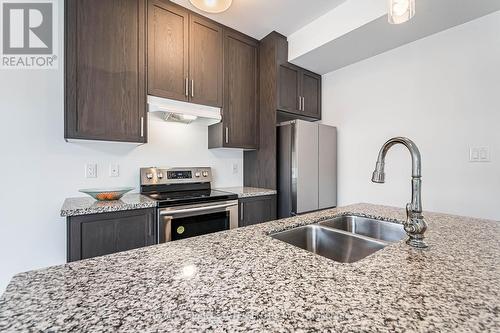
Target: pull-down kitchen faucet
{"points": [[415, 225]]}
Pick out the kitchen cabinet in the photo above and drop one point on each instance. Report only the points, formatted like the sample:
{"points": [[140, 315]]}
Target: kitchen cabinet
{"points": [[168, 45], [205, 61], [239, 126], [101, 234], [299, 91], [311, 94], [289, 88], [260, 169], [185, 55], [105, 76], [255, 210]]}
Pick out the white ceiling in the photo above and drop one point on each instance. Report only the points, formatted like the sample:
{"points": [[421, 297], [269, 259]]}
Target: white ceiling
{"points": [[257, 18], [376, 37]]}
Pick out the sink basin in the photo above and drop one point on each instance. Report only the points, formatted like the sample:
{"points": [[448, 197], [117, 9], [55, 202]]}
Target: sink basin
{"points": [[382, 230], [329, 243]]}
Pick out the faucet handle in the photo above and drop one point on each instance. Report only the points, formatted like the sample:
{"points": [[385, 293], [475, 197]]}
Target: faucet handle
{"points": [[415, 227]]}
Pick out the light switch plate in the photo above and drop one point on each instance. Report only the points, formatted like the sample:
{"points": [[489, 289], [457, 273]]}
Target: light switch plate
{"points": [[235, 168], [479, 154], [91, 170], [484, 154], [114, 170]]}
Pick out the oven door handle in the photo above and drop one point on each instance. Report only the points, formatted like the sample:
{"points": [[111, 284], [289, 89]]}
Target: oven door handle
{"points": [[195, 209]]}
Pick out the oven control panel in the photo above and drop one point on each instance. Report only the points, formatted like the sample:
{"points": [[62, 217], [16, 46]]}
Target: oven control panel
{"points": [[179, 174], [165, 176]]}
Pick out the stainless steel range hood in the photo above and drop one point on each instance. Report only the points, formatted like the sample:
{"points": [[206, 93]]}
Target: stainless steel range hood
{"points": [[183, 112]]}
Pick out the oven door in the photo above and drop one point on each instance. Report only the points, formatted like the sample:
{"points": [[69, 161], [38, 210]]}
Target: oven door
{"points": [[192, 220]]}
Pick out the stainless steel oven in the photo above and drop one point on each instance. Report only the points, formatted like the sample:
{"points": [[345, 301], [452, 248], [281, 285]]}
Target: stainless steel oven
{"points": [[192, 220], [187, 204]]}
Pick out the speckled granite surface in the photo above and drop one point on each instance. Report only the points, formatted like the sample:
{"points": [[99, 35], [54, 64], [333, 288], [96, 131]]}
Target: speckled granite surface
{"points": [[247, 192], [87, 205], [243, 280]]}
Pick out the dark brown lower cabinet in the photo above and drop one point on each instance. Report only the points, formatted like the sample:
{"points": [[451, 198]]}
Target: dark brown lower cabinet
{"points": [[257, 210], [100, 234]]}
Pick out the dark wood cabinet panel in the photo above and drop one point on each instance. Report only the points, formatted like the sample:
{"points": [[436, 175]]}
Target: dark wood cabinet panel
{"points": [[105, 81], [260, 165], [100, 234], [299, 93], [205, 61], [239, 127], [289, 88], [311, 94], [168, 45], [185, 55], [257, 210]]}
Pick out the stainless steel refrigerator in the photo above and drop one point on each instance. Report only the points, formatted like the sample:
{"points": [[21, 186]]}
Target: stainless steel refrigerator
{"points": [[307, 167]]}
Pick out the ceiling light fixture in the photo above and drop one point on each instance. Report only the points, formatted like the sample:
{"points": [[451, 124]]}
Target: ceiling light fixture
{"points": [[212, 6], [401, 11]]}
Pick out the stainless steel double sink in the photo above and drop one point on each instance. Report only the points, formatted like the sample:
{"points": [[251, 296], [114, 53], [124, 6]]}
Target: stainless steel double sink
{"points": [[345, 239]]}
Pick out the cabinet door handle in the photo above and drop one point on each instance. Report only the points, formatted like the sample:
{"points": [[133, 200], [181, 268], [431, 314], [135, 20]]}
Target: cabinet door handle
{"points": [[187, 87], [150, 228], [227, 134], [303, 103], [142, 127], [241, 211], [192, 88], [300, 103]]}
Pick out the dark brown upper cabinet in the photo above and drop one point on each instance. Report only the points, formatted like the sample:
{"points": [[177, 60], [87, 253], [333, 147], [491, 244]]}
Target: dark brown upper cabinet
{"points": [[205, 61], [311, 94], [168, 45], [299, 91], [289, 88], [105, 79], [240, 123], [184, 55]]}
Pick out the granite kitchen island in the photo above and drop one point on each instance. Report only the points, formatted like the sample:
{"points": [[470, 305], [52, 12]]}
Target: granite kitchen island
{"points": [[243, 280]]}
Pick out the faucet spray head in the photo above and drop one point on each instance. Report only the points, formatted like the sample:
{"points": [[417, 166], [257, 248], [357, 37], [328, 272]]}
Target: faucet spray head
{"points": [[379, 174]]}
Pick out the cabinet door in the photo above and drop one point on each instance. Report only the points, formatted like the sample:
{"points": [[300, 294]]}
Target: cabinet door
{"points": [[105, 80], [311, 94], [168, 43], [205, 62], [100, 234], [240, 113], [257, 210], [289, 88]]}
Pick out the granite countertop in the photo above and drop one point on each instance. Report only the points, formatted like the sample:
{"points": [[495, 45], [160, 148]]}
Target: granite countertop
{"points": [[247, 192], [243, 280], [87, 205]]}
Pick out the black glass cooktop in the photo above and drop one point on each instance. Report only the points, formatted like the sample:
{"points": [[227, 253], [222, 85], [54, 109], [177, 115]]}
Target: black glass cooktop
{"points": [[187, 197]]}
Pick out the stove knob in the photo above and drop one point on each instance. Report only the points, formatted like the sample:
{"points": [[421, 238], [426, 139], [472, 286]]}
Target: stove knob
{"points": [[205, 173], [197, 174], [149, 176], [160, 176]]}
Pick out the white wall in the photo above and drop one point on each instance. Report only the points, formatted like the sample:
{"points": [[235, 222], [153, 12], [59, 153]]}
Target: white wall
{"points": [[38, 169], [444, 93]]}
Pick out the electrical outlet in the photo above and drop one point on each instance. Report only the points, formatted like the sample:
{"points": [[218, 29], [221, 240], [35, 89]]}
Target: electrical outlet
{"points": [[91, 170], [235, 168], [114, 170], [480, 154]]}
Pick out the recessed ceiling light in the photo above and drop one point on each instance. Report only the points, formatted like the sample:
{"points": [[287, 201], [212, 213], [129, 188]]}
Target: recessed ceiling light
{"points": [[212, 6], [401, 11]]}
